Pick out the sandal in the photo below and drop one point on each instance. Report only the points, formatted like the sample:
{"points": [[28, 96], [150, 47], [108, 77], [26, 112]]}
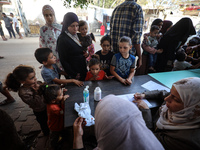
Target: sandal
{"points": [[5, 102], [1, 57]]}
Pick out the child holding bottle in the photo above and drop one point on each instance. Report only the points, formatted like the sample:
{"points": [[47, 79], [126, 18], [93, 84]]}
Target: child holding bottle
{"points": [[95, 72], [54, 98], [86, 39], [23, 81], [123, 63]]}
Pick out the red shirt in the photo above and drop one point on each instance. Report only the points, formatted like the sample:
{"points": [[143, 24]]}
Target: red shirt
{"points": [[55, 117], [101, 75]]}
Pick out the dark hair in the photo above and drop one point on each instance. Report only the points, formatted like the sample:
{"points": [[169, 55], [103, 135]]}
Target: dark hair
{"points": [[194, 41], [49, 92], [82, 23], [125, 39], [20, 73], [156, 22], [153, 28], [11, 13], [180, 55], [95, 60], [105, 38], [41, 54], [3, 14]]}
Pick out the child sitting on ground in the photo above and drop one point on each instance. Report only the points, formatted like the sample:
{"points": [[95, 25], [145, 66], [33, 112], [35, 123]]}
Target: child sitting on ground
{"points": [[95, 72], [23, 81], [123, 63], [181, 64], [54, 98], [86, 39], [105, 54], [152, 41], [50, 71]]}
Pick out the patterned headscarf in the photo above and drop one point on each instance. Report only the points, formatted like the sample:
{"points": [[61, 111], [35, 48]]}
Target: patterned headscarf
{"points": [[69, 18], [119, 125], [48, 7], [189, 117]]}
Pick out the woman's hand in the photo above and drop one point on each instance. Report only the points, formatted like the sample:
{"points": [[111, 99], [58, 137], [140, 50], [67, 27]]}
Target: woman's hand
{"points": [[159, 51], [85, 54], [77, 82], [139, 96], [141, 104]]}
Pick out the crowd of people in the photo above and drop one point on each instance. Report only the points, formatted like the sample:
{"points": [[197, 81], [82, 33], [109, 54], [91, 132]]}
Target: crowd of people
{"points": [[68, 50]]}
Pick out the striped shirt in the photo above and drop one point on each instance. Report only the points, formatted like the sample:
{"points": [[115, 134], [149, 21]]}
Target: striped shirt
{"points": [[127, 20]]}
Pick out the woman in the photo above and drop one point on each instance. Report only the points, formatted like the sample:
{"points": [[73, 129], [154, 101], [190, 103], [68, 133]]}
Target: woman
{"points": [[147, 49], [171, 41], [179, 120], [118, 126], [50, 31], [166, 26], [71, 53]]}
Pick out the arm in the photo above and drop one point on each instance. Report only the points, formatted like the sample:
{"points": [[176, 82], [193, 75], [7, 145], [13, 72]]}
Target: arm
{"points": [[112, 71], [138, 51], [155, 94], [65, 81], [63, 47], [78, 133], [195, 66], [129, 79], [42, 39]]}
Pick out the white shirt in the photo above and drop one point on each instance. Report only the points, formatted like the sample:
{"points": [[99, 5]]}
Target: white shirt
{"points": [[15, 21]]}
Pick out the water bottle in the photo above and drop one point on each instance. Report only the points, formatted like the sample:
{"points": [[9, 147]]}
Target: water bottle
{"points": [[86, 95], [97, 94]]}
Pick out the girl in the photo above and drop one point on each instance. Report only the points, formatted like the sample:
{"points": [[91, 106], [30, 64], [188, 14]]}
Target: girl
{"points": [[23, 81], [54, 98], [86, 39], [123, 63], [105, 54], [95, 72]]}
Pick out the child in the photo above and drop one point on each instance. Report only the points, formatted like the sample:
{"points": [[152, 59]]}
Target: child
{"points": [[86, 39], [181, 64], [95, 72], [23, 81], [152, 41], [50, 71], [105, 54], [123, 64], [54, 98]]}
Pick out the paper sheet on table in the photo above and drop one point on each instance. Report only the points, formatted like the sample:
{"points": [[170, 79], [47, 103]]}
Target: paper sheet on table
{"points": [[150, 85], [131, 98]]}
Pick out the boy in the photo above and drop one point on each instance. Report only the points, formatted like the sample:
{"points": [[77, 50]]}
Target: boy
{"points": [[50, 71], [123, 63], [181, 64], [152, 41]]}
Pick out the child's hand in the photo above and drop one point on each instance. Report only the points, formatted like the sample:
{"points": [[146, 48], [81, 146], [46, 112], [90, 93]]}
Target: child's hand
{"points": [[79, 83], [85, 54], [123, 81], [94, 78], [109, 77], [35, 86], [65, 97], [139, 96], [128, 81], [159, 51]]}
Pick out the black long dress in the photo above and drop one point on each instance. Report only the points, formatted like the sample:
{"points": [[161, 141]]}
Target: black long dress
{"points": [[171, 41], [71, 56]]}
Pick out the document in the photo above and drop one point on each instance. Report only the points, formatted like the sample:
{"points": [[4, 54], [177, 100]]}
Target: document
{"points": [[130, 97], [150, 85]]}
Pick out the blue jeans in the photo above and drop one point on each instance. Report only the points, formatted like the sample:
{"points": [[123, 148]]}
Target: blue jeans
{"points": [[152, 60], [10, 31]]}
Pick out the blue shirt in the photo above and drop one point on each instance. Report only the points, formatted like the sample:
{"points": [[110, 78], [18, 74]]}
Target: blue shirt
{"points": [[123, 65], [49, 75], [127, 20]]}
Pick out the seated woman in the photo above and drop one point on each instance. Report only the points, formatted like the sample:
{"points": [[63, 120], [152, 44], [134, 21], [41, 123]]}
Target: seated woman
{"points": [[116, 130], [178, 125]]}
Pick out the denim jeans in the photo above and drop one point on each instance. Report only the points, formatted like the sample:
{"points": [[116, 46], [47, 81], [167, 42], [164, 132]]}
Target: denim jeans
{"points": [[152, 60]]}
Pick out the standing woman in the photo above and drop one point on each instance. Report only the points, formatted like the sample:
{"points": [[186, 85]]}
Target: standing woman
{"points": [[71, 53], [167, 24], [171, 41], [50, 31]]}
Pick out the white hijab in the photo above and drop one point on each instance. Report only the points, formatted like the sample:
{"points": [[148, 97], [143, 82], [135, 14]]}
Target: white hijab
{"points": [[119, 126], [189, 117]]}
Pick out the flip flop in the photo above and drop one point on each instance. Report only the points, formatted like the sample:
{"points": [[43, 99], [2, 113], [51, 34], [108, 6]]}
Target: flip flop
{"points": [[1, 57], [5, 102]]}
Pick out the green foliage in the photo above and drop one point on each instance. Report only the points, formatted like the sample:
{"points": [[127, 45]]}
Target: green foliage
{"points": [[76, 3]]}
